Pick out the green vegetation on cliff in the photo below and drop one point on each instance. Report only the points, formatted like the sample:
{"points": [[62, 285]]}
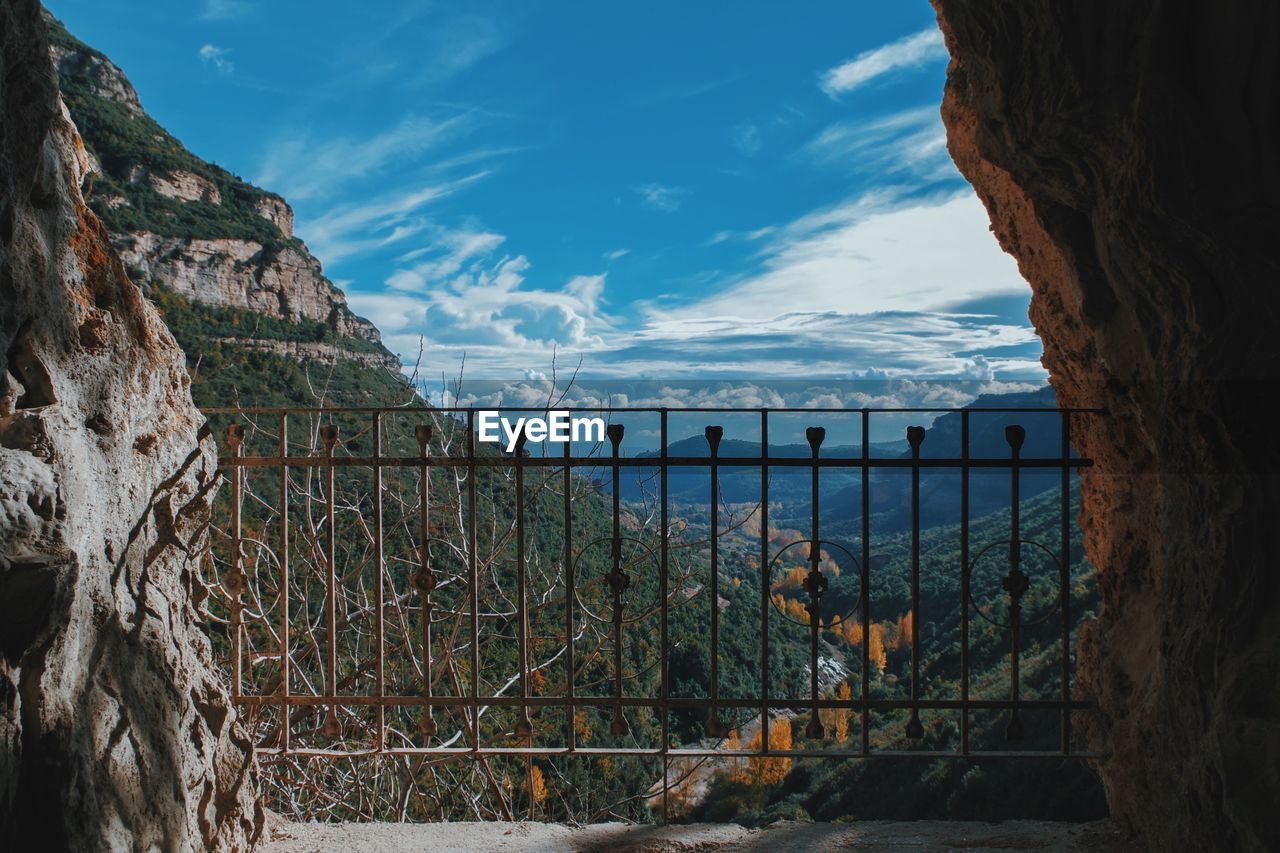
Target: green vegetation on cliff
{"points": [[123, 141]]}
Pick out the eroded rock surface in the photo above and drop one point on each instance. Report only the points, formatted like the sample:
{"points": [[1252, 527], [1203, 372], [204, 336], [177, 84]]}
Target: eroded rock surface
{"points": [[284, 282], [115, 732], [188, 247], [1129, 156]]}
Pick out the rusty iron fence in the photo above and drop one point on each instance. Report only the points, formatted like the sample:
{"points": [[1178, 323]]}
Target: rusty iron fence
{"points": [[284, 646]]}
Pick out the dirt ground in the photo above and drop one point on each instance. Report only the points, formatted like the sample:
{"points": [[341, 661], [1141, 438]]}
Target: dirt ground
{"points": [[917, 837]]}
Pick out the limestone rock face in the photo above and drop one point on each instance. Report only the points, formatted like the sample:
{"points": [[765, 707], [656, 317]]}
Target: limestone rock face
{"points": [[115, 732], [284, 282], [102, 74], [1129, 156], [274, 209], [272, 274], [185, 186]]}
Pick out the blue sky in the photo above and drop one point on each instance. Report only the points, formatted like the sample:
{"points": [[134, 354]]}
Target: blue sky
{"points": [[664, 190]]}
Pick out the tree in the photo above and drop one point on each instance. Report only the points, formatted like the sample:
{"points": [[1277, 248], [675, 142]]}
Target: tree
{"points": [[875, 648], [772, 770], [844, 694], [537, 786]]}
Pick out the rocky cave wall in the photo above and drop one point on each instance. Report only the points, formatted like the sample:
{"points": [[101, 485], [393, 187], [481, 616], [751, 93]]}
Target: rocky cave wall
{"points": [[115, 732], [1128, 153]]}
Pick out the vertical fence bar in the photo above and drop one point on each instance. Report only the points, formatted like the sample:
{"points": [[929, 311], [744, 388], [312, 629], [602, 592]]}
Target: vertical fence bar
{"points": [[425, 580], [865, 581], [1064, 582], [285, 659], [1016, 582], [524, 726], [331, 728], [618, 583], [570, 592], [663, 581], [915, 436], [380, 592], [815, 584], [964, 582], [714, 727], [473, 573], [764, 579]]}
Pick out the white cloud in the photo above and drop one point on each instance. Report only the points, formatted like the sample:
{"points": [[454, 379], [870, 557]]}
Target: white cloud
{"points": [[301, 169], [451, 250], [453, 44], [223, 10], [217, 57], [488, 312], [881, 392], [871, 254], [660, 197], [746, 138], [868, 289], [352, 229], [909, 52], [616, 254], [910, 141]]}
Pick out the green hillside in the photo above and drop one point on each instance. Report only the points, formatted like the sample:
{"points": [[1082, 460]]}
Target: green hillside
{"points": [[913, 789]]}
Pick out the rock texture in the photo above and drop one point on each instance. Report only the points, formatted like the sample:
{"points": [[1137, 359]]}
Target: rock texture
{"points": [[284, 282], [115, 732], [317, 351], [1129, 156], [100, 73], [186, 224]]}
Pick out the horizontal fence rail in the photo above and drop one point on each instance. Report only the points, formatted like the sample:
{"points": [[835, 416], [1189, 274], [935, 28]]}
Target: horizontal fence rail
{"points": [[355, 629]]}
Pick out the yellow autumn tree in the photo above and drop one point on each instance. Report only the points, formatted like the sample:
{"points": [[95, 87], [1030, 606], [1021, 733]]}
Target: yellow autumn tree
{"points": [[737, 770], [851, 629], [905, 624], [836, 720], [772, 770], [844, 694], [537, 785], [797, 611], [875, 647]]}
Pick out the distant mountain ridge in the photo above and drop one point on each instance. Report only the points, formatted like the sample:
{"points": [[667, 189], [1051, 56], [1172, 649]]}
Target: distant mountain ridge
{"points": [[840, 488]]}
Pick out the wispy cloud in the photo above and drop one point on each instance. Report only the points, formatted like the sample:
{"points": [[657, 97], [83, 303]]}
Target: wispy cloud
{"points": [[869, 389], [883, 283], [911, 51], [911, 141], [217, 57], [353, 229], [488, 311], [746, 138], [879, 252], [446, 256], [660, 197], [454, 44], [616, 254], [302, 168], [223, 10]]}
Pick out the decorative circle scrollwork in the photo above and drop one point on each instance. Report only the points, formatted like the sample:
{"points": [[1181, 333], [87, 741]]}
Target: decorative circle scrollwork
{"points": [[822, 543], [607, 581]]}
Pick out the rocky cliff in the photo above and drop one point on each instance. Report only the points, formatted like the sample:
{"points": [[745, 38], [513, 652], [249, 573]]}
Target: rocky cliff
{"points": [[1129, 156], [115, 732], [194, 229]]}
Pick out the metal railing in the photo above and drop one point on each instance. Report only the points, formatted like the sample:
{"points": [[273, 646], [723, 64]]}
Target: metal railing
{"points": [[420, 640]]}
